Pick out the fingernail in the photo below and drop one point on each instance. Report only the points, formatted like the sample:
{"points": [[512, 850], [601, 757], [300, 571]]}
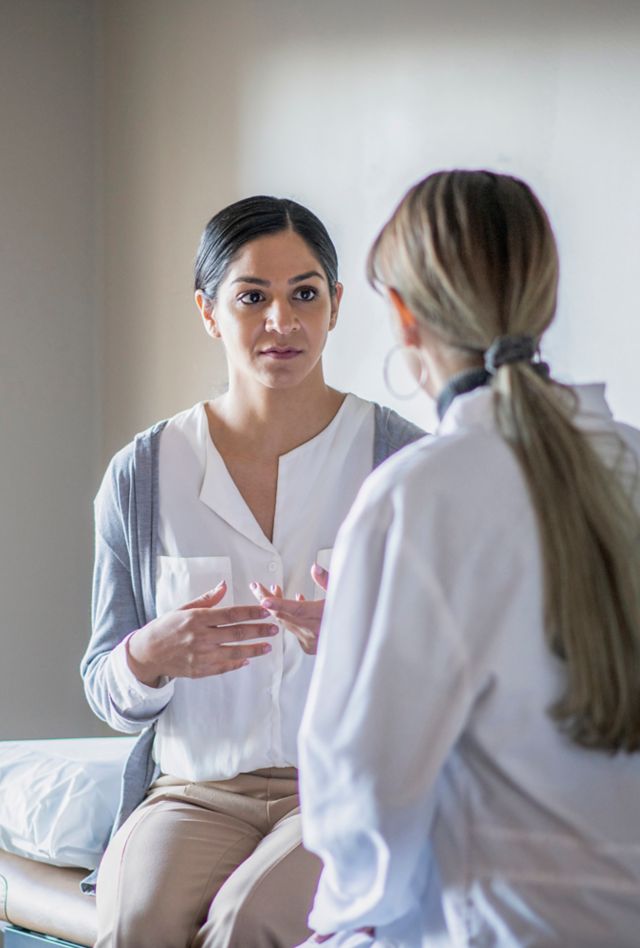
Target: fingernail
{"points": [[253, 585], [273, 629], [219, 586], [266, 648], [268, 603], [272, 588]]}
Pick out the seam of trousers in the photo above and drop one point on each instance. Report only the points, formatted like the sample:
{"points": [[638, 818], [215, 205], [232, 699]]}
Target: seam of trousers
{"points": [[256, 885], [213, 869], [114, 929]]}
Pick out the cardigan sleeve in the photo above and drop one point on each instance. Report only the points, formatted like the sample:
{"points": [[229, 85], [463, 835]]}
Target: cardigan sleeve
{"points": [[112, 690], [392, 433]]}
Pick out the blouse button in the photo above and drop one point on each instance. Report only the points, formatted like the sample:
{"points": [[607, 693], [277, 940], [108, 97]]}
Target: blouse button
{"points": [[273, 567]]}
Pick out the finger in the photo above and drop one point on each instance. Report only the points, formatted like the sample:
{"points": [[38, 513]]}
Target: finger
{"points": [[238, 652], [240, 633], [276, 591], [291, 626], [258, 590], [229, 615], [225, 667], [299, 597], [278, 607], [320, 576], [211, 598], [217, 667], [222, 657]]}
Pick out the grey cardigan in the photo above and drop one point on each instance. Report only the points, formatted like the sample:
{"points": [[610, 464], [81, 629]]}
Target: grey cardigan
{"points": [[126, 524]]}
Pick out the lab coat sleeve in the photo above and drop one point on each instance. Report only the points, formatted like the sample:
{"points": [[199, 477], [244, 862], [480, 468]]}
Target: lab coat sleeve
{"points": [[388, 699], [112, 690]]}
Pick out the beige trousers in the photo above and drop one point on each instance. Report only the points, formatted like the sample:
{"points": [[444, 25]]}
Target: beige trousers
{"points": [[209, 865]]}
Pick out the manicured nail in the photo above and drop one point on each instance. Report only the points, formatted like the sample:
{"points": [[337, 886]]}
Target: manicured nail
{"points": [[268, 603], [253, 585]]}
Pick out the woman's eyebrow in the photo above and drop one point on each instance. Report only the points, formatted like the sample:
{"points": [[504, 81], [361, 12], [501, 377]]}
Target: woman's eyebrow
{"points": [[296, 279], [305, 276], [251, 279]]}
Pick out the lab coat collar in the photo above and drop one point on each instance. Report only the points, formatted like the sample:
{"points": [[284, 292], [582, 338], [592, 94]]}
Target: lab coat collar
{"points": [[475, 409]]}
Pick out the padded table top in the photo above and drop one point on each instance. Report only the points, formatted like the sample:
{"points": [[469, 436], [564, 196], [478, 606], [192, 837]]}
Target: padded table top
{"points": [[46, 899]]}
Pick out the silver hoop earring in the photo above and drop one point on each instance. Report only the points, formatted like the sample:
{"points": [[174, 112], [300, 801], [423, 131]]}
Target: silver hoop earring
{"points": [[386, 371]]}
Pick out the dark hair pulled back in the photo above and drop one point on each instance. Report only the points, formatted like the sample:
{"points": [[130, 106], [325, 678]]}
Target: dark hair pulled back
{"points": [[239, 223]]}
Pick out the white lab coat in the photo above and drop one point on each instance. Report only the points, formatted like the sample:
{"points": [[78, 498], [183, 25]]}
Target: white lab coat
{"points": [[426, 747]]}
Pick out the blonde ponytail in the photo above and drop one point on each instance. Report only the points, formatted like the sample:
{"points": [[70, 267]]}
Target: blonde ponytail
{"points": [[473, 255], [590, 539]]}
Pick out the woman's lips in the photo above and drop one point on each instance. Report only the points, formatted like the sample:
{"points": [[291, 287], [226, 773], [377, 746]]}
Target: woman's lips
{"points": [[285, 353]]}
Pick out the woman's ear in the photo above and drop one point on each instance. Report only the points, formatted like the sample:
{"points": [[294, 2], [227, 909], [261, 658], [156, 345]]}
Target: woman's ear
{"points": [[335, 305], [205, 306], [406, 321]]}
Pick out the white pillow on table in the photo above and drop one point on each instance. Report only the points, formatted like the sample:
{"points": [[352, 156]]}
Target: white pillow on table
{"points": [[58, 798]]}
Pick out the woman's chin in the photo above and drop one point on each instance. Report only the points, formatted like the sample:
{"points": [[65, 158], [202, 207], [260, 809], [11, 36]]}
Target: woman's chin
{"points": [[285, 374]]}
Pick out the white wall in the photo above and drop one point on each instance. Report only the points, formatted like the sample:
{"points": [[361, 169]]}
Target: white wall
{"points": [[342, 106], [49, 312]]}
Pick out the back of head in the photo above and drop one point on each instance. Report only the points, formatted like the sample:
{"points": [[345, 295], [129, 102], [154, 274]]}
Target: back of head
{"points": [[473, 255]]}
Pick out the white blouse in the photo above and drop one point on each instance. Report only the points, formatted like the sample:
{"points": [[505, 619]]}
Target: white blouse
{"points": [[215, 728], [426, 747]]}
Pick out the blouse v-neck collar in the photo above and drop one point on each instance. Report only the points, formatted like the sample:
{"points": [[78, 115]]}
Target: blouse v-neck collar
{"points": [[220, 493]]}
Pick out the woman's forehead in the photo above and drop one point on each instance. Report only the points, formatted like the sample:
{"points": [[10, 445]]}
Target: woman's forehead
{"points": [[274, 257]]}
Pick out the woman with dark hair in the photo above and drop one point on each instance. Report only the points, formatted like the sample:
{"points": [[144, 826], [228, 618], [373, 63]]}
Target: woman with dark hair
{"points": [[481, 637], [200, 514]]}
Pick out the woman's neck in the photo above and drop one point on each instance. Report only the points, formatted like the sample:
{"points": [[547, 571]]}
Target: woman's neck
{"points": [[268, 422]]}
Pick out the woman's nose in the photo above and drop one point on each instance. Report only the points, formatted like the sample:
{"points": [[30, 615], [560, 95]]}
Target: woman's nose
{"points": [[281, 318]]}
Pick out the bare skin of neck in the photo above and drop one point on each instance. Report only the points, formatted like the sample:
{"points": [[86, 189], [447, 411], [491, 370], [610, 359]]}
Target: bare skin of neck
{"points": [[252, 426]]}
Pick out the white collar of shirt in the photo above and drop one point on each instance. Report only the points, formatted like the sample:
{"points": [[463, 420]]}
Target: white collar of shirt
{"points": [[219, 491], [475, 409]]}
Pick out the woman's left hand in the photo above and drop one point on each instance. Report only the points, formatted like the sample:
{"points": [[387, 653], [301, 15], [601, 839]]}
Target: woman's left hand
{"points": [[300, 616]]}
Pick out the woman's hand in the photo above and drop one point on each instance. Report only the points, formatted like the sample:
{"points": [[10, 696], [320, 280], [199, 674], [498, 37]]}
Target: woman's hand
{"points": [[300, 616], [198, 640]]}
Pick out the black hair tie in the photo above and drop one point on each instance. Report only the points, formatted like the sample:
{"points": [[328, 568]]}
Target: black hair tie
{"points": [[505, 350]]}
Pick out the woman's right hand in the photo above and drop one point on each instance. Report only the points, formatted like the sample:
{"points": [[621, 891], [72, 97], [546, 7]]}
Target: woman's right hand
{"points": [[198, 640]]}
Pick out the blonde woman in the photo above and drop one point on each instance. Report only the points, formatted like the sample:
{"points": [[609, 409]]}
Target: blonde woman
{"points": [[473, 725]]}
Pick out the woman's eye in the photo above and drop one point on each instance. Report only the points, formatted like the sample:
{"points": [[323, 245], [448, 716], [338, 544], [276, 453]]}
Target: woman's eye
{"points": [[306, 294], [253, 296]]}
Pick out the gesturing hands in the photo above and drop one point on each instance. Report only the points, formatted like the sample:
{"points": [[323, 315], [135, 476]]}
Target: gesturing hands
{"points": [[197, 640], [300, 616]]}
